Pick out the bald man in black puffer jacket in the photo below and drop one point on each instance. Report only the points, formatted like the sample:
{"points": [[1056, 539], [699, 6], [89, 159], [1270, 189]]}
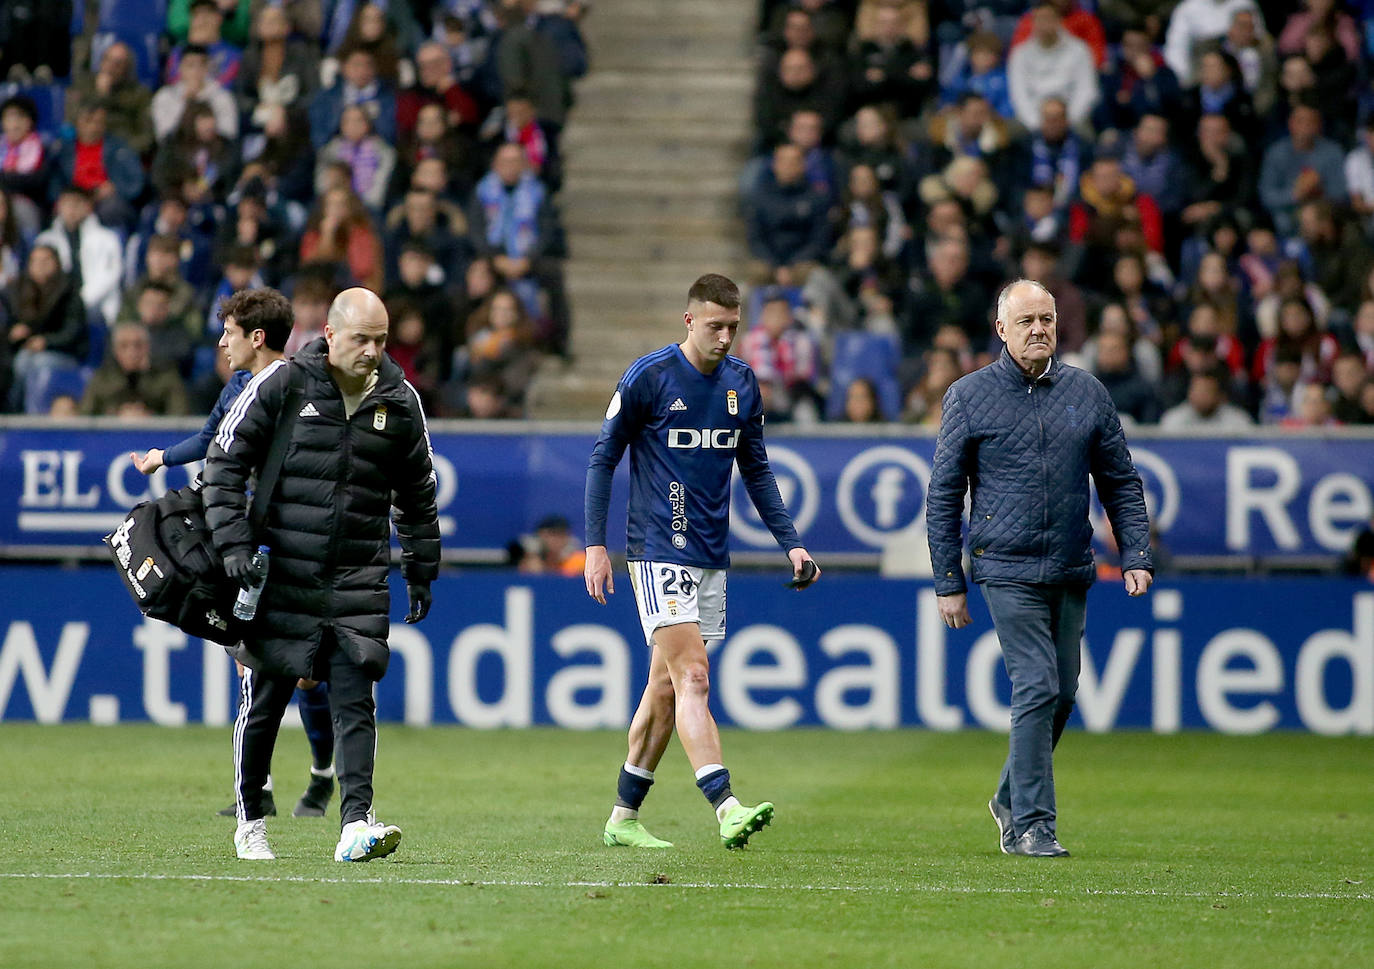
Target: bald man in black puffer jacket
{"points": [[359, 447]]}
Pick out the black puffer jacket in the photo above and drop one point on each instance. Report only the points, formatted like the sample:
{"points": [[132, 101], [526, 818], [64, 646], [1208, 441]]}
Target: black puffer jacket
{"points": [[329, 525]]}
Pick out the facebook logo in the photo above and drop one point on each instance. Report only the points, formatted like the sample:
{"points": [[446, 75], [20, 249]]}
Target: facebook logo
{"points": [[882, 492]]}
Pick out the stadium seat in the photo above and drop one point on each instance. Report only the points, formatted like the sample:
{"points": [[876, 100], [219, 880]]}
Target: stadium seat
{"points": [[96, 335], [53, 383], [132, 16], [871, 355], [763, 294]]}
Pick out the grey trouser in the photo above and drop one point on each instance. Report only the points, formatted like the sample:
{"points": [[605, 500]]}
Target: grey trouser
{"points": [[1041, 631]]}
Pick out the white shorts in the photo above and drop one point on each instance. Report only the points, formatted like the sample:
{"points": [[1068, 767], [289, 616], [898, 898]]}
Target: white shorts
{"points": [[668, 594]]}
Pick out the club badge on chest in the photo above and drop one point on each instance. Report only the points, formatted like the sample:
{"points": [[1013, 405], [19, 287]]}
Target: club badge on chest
{"points": [[732, 402], [379, 418]]}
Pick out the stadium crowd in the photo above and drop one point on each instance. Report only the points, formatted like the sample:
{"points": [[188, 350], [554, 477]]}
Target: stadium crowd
{"points": [[1193, 181], [157, 156]]}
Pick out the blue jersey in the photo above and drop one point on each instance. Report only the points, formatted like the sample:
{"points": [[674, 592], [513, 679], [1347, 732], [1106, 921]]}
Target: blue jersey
{"points": [[685, 431]]}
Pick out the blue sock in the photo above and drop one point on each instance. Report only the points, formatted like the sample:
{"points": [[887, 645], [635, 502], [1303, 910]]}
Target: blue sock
{"points": [[319, 727], [714, 781], [632, 787]]}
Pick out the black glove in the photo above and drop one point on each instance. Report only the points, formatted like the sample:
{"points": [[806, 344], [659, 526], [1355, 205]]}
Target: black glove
{"points": [[419, 601], [238, 566]]}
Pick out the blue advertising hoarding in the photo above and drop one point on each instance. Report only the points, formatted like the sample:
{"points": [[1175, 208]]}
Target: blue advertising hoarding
{"points": [[850, 495], [506, 650]]}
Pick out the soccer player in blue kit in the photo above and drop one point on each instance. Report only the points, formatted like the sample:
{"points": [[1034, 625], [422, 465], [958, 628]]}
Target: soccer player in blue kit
{"points": [[688, 413]]}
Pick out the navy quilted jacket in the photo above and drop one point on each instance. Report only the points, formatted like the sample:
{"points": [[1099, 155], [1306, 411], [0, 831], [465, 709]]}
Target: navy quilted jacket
{"points": [[1024, 450]]}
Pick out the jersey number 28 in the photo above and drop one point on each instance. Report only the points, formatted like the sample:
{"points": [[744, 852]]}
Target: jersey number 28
{"points": [[672, 579]]}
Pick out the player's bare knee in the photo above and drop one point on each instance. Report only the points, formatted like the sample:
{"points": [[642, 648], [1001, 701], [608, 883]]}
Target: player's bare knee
{"points": [[693, 680]]}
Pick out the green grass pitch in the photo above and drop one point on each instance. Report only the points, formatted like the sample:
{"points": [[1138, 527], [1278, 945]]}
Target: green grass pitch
{"points": [[1190, 850]]}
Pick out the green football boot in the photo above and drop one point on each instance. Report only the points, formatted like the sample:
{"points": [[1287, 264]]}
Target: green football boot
{"points": [[742, 822], [630, 834]]}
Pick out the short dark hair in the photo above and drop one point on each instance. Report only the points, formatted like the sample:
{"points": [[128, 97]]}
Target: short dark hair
{"points": [[92, 103], [24, 103], [195, 50], [714, 288], [165, 242], [242, 257], [157, 286], [261, 309]]}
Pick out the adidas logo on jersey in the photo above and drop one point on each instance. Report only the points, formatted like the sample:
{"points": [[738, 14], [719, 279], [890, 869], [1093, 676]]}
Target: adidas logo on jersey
{"points": [[677, 405], [309, 410]]}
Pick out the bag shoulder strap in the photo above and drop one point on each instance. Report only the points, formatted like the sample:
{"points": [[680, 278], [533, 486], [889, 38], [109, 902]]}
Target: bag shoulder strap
{"points": [[276, 454]]}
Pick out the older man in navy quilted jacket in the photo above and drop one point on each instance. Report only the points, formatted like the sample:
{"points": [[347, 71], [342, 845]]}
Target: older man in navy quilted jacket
{"points": [[1022, 435]]}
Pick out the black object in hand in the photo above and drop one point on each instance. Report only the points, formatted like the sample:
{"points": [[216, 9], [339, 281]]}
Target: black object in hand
{"points": [[419, 596], [806, 577]]}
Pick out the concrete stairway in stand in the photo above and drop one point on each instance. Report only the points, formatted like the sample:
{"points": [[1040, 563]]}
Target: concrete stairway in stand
{"points": [[652, 150]]}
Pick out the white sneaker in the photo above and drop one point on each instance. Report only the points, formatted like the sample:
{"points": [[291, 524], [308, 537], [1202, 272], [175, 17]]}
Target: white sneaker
{"points": [[365, 840], [250, 841]]}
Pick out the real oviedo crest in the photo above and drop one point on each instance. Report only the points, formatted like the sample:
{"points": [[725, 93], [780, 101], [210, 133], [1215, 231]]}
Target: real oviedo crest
{"points": [[732, 402]]}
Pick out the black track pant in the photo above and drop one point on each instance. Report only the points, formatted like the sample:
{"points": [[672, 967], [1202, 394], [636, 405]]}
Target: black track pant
{"points": [[263, 699]]}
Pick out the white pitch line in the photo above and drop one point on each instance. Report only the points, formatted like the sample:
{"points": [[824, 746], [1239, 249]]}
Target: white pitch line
{"points": [[928, 889]]}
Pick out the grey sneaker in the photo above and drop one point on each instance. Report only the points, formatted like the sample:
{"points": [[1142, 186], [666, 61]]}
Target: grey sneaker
{"points": [[1038, 841], [1002, 815]]}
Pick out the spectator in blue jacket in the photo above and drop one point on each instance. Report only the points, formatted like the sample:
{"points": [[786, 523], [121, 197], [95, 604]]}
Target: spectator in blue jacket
{"points": [[358, 83], [1300, 168], [101, 163], [1023, 433], [788, 228]]}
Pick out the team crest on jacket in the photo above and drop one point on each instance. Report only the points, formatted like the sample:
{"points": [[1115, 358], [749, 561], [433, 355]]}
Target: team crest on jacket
{"points": [[379, 418], [732, 402]]}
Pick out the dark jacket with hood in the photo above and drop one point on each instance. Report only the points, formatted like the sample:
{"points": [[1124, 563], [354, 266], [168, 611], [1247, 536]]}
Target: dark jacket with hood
{"points": [[329, 524]]}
